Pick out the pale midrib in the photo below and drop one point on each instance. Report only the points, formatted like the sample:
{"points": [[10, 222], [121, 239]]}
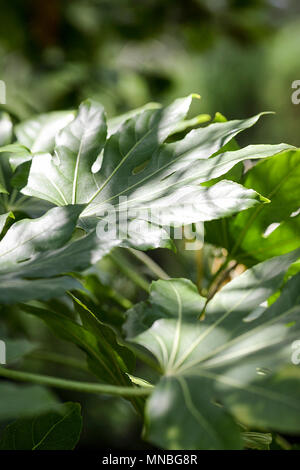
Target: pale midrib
{"points": [[192, 408], [183, 181], [119, 166], [258, 347], [41, 261], [179, 203], [163, 349], [76, 170], [50, 430], [248, 387], [23, 243], [236, 340], [57, 189], [176, 341], [196, 343]]}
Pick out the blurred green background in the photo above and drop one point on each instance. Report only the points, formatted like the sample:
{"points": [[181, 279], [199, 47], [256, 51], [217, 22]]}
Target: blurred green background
{"points": [[241, 56]]}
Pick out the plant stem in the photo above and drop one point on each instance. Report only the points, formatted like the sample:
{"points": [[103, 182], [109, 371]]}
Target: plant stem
{"points": [[283, 443], [225, 273], [129, 270], [85, 387], [219, 271], [150, 263], [222, 275]]}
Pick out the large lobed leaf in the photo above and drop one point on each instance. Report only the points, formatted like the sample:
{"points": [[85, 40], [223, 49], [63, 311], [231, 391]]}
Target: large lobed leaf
{"points": [[35, 253], [270, 229], [87, 173], [106, 358], [228, 367], [136, 163], [57, 429]]}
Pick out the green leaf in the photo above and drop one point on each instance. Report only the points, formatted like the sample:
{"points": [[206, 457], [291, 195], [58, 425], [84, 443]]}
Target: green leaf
{"points": [[17, 348], [257, 440], [192, 204], [38, 133], [136, 163], [267, 230], [39, 248], [226, 367], [106, 358], [5, 219], [115, 123], [58, 429], [67, 177], [23, 400], [11, 157], [18, 154], [76, 152]]}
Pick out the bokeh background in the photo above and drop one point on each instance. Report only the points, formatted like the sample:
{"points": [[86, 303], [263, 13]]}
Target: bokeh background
{"points": [[241, 56]]}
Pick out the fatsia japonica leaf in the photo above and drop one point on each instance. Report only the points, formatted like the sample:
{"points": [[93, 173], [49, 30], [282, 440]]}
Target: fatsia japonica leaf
{"points": [[267, 230], [11, 157], [24, 400], [19, 400], [115, 123], [257, 440], [16, 349], [38, 133], [135, 173], [106, 358], [5, 219], [79, 144], [229, 366], [57, 429], [17, 153], [35, 253]]}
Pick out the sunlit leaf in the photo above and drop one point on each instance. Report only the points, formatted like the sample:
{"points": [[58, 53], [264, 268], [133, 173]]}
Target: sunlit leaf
{"points": [[226, 367]]}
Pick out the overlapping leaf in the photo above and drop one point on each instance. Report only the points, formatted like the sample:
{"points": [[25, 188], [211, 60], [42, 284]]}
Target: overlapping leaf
{"points": [[227, 367], [12, 156], [23, 400], [269, 230], [34, 254], [136, 174], [57, 429], [109, 360], [38, 133]]}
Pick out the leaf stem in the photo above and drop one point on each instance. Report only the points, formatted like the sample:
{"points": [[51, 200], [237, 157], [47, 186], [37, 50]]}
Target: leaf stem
{"points": [[283, 443], [221, 278], [150, 263], [218, 279], [85, 387], [129, 270]]}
